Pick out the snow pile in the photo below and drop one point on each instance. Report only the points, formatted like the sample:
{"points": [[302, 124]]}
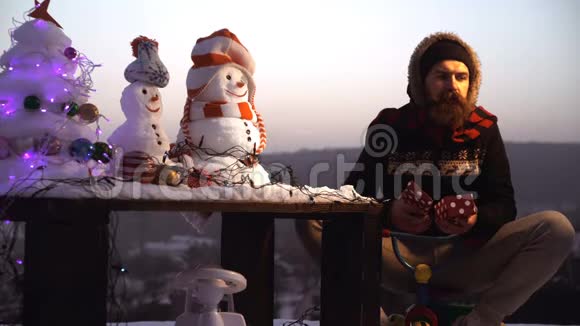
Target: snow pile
{"points": [[106, 188]]}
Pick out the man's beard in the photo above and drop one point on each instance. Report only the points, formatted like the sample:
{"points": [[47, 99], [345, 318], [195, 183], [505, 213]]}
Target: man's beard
{"points": [[450, 110]]}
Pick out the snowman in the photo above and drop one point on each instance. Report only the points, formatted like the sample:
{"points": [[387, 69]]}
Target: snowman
{"points": [[221, 129], [141, 137]]}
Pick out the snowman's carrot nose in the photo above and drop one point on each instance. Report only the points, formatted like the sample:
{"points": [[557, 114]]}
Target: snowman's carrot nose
{"points": [[155, 98], [240, 84]]}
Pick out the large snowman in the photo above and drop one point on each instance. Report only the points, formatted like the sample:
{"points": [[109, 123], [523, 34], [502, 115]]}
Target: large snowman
{"points": [[221, 128], [142, 137]]}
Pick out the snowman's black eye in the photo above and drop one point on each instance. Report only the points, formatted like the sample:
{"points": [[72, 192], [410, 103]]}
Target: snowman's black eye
{"points": [[144, 91], [228, 77]]}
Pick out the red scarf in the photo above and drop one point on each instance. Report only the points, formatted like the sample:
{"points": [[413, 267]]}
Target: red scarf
{"points": [[205, 110], [479, 119], [196, 110]]}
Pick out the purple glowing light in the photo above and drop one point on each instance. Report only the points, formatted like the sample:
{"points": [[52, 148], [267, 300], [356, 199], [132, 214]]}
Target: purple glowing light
{"points": [[52, 100], [26, 156], [12, 177], [37, 65], [10, 68], [7, 222], [65, 75], [43, 110], [32, 166], [66, 90], [19, 261]]}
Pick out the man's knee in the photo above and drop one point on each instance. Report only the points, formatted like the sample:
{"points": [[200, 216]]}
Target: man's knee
{"points": [[310, 234], [559, 227]]}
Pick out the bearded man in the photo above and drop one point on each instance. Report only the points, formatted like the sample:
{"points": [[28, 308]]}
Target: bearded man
{"points": [[448, 145]]}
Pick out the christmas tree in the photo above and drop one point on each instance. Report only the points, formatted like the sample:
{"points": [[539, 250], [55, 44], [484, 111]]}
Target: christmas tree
{"points": [[46, 122]]}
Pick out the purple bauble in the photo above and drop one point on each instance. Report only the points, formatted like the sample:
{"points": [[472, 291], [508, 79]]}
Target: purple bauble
{"points": [[70, 52]]}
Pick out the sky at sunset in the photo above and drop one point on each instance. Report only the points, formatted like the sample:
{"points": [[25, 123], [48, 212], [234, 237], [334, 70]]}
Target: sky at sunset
{"points": [[325, 68]]}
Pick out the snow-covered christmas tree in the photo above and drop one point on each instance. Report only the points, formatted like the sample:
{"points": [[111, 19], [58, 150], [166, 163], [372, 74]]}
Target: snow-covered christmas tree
{"points": [[46, 122]]}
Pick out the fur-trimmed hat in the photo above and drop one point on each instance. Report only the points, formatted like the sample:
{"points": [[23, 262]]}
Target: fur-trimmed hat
{"points": [[210, 54], [147, 66], [416, 88]]}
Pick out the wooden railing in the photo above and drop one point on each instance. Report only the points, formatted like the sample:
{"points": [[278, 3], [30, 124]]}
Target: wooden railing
{"points": [[66, 256]]}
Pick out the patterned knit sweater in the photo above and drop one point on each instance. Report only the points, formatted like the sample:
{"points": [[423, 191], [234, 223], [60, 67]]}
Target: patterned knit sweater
{"points": [[443, 162]]}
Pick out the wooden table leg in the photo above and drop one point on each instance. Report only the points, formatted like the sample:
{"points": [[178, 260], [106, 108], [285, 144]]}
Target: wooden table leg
{"points": [[372, 251], [65, 271], [350, 270], [247, 247]]}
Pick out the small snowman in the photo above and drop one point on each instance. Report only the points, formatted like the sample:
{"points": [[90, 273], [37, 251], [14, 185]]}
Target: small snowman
{"points": [[141, 137], [221, 128]]}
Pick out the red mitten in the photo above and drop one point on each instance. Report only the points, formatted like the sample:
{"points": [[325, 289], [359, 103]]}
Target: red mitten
{"points": [[414, 195], [455, 207]]}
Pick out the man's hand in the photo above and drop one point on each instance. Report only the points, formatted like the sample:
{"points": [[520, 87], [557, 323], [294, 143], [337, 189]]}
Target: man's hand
{"points": [[409, 218], [456, 225]]}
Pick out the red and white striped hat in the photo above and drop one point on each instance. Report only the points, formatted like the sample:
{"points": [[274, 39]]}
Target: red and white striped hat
{"points": [[211, 53]]}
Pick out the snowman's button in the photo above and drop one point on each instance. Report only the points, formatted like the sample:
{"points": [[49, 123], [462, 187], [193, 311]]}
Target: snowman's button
{"points": [[247, 132], [245, 124], [157, 134], [159, 143], [249, 138], [154, 126]]}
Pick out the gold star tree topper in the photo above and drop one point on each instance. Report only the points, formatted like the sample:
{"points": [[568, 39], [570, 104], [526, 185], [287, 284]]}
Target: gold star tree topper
{"points": [[41, 12]]}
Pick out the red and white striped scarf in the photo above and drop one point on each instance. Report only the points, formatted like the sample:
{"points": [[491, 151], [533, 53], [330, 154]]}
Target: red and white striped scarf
{"points": [[196, 110], [205, 110]]}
